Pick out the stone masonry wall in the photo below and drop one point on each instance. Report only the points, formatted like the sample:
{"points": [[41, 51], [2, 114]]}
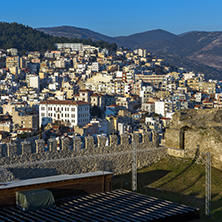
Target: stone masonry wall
{"points": [[107, 154], [208, 140], [173, 138], [192, 128]]}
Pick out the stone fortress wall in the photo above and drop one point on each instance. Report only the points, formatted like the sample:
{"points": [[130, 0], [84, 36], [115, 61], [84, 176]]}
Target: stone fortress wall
{"points": [[189, 130], [195, 132], [78, 155]]}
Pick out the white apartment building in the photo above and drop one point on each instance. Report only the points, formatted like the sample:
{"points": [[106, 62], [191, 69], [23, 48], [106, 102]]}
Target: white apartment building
{"points": [[160, 108], [141, 52], [33, 81], [60, 63], [72, 113], [145, 93], [73, 46], [95, 67]]}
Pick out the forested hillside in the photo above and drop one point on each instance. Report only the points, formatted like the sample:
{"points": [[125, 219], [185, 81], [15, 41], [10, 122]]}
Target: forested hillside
{"points": [[25, 38]]}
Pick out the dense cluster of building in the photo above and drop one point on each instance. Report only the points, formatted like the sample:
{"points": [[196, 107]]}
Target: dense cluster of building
{"points": [[91, 91]]}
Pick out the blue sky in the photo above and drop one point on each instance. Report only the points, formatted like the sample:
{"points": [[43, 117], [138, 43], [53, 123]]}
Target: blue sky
{"points": [[117, 17]]}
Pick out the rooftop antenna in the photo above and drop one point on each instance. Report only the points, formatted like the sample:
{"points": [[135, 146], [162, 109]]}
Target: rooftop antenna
{"points": [[134, 166]]}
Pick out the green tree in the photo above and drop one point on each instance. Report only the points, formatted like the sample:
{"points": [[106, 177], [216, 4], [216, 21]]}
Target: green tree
{"points": [[95, 111]]}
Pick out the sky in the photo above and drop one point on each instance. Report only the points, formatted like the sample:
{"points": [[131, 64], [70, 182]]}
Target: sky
{"points": [[117, 17]]}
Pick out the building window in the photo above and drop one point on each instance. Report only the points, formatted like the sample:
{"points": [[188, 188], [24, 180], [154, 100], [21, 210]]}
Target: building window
{"points": [[42, 108], [42, 114], [73, 109], [73, 115]]}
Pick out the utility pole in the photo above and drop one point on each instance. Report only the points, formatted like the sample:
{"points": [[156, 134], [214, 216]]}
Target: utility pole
{"points": [[208, 183], [134, 166]]}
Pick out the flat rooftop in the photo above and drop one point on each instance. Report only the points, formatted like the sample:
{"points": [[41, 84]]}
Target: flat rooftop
{"points": [[118, 205], [49, 179]]}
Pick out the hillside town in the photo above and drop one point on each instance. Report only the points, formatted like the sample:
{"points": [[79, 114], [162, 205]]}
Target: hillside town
{"points": [[81, 90]]}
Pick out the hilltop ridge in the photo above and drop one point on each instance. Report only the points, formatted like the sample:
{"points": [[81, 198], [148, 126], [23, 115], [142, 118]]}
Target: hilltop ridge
{"points": [[199, 51], [25, 38]]}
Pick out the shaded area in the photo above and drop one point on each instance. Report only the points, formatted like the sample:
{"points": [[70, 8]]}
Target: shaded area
{"points": [[124, 181], [27, 173], [179, 174], [59, 193], [179, 180], [119, 205]]}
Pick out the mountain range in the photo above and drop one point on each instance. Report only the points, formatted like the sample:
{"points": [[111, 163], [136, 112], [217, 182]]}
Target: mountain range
{"points": [[196, 50]]}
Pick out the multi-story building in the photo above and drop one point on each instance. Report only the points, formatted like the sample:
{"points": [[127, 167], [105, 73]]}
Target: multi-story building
{"points": [[84, 95], [142, 52], [72, 113], [148, 107], [136, 87], [182, 83], [25, 118], [5, 123], [194, 84], [145, 93], [152, 79], [98, 100], [119, 87], [73, 46], [160, 107], [12, 61], [95, 67], [209, 87], [112, 124], [124, 102], [33, 81]]}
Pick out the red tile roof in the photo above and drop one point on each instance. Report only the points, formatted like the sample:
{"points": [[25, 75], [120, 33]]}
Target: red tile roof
{"points": [[149, 103], [164, 118], [26, 129], [64, 102], [96, 94]]}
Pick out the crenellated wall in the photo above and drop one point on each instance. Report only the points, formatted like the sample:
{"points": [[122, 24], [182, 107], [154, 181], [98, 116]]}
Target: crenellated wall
{"points": [[78, 155]]}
